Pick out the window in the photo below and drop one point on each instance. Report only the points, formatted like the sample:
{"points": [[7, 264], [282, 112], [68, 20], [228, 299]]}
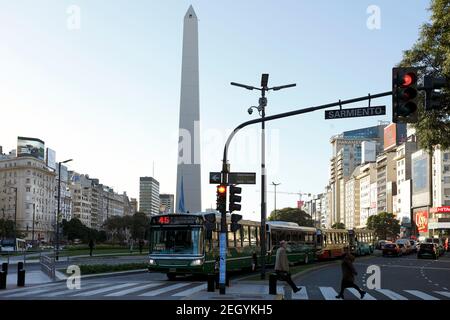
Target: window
{"points": [[246, 239], [252, 236], [447, 192], [446, 179], [238, 238], [28, 189]]}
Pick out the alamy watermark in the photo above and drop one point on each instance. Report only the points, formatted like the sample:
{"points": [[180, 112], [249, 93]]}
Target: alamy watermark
{"points": [[374, 20], [73, 21]]}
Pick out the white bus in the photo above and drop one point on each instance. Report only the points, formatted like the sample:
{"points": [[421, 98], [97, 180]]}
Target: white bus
{"points": [[13, 245]]}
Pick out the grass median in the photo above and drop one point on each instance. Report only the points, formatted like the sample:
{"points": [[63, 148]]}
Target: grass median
{"points": [[108, 268]]}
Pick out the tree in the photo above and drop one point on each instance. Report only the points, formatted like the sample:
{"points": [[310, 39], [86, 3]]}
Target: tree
{"points": [[292, 215], [75, 229], [385, 225], [140, 225], [6, 228], [432, 50], [338, 225]]}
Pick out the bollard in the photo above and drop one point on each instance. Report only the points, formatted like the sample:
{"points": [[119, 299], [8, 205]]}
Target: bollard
{"points": [[273, 284], [2, 280], [20, 275], [5, 267], [211, 280]]}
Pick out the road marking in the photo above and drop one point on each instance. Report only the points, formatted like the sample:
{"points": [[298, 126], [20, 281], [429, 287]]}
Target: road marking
{"points": [[190, 291], [391, 294], [67, 290], [93, 292], [356, 293], [301, 295], [329, 293], [165, 289], [29, 292], [127, 291], [26, 288], [421, 295], [444, 293]]}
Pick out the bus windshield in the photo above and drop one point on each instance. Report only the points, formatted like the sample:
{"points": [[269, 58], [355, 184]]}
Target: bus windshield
{"points": [[178, 240]]}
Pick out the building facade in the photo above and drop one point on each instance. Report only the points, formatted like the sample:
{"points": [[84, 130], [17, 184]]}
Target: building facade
{"points": [[149, 196], [166, 203]]}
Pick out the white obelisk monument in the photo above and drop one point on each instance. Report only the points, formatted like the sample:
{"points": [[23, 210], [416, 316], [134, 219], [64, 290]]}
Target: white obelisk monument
{"points": [[188, 172]]}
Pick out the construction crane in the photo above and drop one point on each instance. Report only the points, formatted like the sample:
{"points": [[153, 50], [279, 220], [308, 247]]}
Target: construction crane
{"points": [[300, 194]]}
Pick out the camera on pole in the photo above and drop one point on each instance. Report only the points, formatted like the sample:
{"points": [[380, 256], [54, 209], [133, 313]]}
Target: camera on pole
{"points": [[404, 95]]}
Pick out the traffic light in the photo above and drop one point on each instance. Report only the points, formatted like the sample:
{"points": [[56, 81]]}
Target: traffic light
{"points": [[235, 218], [433, 97], [222, 198], [210, 221], [235, 198], [404, 95]]}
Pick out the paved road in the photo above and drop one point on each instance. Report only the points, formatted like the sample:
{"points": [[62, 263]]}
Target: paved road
{"points": [[404, 278]]}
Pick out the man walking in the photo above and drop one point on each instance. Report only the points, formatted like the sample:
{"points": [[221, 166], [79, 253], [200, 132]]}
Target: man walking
{"points": [[348, 275], [282, 266], [91, 247]]}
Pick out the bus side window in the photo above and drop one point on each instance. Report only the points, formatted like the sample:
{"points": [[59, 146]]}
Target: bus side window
{"points": [[252, 236], [238, 238], [257, 230], [230, 237]]}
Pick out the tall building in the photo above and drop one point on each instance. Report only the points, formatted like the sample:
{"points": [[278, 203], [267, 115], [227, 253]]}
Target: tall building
{"points": [[386, 180], [28, 182], [65, 195], [149, 195], [188, 171], [367, 193], [80, 189], [166, 203], [346, 156], [352, 198]]}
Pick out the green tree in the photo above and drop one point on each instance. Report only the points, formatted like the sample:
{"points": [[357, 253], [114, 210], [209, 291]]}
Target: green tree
{"points": [[6, 228], [432, 51], [338, 225], [140, 225], [292, 215], [75, 229], [385, 225]]}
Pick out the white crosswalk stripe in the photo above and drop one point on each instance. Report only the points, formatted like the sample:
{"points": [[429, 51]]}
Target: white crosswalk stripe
{"points": [[444, 293], [163, 290], [190, 291], [356, 293], [135, 289], [391, 294], [8, 291], [421, 295], [67, 290], [94, 292], [301, 295], [328, 293], [28, 293]]}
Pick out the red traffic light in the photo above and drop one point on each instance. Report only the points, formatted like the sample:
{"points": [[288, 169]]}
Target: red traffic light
{"points": [[408, 79], [221, 189]]}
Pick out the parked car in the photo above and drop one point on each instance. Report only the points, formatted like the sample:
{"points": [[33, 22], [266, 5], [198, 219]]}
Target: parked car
{"points": [[392, 249], [439, 244], [404, 245], [428, 249], [381, 243], [413, 245]]}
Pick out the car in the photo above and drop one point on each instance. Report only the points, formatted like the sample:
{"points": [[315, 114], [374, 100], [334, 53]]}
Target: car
{"points": [[414, 245], [439, 244], [392, 249], [428, 249], [381, 243], [404, 245]]}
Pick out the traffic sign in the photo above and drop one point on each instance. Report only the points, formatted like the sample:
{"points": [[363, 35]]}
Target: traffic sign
{"points": [[242, 178], [355, 112], [214, 177]]}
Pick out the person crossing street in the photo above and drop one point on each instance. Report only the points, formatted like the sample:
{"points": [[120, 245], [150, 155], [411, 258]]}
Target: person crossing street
{"points": [[348, 275], [282, 266]]}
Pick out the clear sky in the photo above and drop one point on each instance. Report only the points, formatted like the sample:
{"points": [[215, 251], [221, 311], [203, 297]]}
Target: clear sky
{"points": [[107, 94]]}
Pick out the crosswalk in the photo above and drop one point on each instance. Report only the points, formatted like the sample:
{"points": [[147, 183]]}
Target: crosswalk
{"points": [[184, 290]]}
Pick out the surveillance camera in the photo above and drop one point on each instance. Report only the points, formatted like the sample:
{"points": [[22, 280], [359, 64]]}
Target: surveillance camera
{"points": [[250, 110]]}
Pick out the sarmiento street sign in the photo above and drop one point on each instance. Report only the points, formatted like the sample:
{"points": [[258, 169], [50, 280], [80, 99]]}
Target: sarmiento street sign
{"points": [[355, 112]]}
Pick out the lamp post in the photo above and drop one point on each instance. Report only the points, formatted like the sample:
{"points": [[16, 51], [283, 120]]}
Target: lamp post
{"points": [[275, 202], [32, 228], [59, 208], [262, 111], [15, 215]]}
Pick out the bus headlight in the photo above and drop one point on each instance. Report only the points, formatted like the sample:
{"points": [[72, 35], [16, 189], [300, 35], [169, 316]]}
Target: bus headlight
{"points": [[151, 262], [197, 262]]}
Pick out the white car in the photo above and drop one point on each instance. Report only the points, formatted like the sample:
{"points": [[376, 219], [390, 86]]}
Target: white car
{"points": [[404, 245]]}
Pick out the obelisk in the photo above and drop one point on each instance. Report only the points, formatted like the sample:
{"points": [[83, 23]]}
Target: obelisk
{"points": [[188, 195]]}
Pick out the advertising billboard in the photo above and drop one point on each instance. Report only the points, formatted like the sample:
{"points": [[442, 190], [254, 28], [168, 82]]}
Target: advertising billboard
{"points": [[390, 136], [30, 147], [422, 221], [51, 159], [368, 151]]}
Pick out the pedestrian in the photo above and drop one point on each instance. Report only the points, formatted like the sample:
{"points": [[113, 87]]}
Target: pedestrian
{"points": [[141, 245], [91, 247], [282, 266], [348, 275]]}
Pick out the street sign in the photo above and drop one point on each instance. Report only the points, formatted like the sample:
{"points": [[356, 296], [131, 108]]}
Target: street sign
{"points": [[214, 177], [242, 178], [355, 112]]}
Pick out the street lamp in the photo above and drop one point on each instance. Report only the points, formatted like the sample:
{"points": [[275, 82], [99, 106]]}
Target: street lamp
{"points": [[262, 112], [59, 209], [15, 214], [275, 205]]}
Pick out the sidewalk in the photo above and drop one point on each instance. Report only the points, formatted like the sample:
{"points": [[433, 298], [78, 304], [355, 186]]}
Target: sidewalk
{"points": [[31, 278]]}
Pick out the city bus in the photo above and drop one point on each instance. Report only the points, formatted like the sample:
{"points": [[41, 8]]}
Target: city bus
{"points": [[13, 245], [331, 243], [361, 241], [181, 245]]}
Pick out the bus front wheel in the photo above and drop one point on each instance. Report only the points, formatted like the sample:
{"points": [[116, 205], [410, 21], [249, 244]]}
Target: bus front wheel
{"points": [[171, 276]]}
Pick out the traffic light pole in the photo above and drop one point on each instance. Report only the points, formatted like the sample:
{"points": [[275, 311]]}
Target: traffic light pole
{"points": [[226, 171]]}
